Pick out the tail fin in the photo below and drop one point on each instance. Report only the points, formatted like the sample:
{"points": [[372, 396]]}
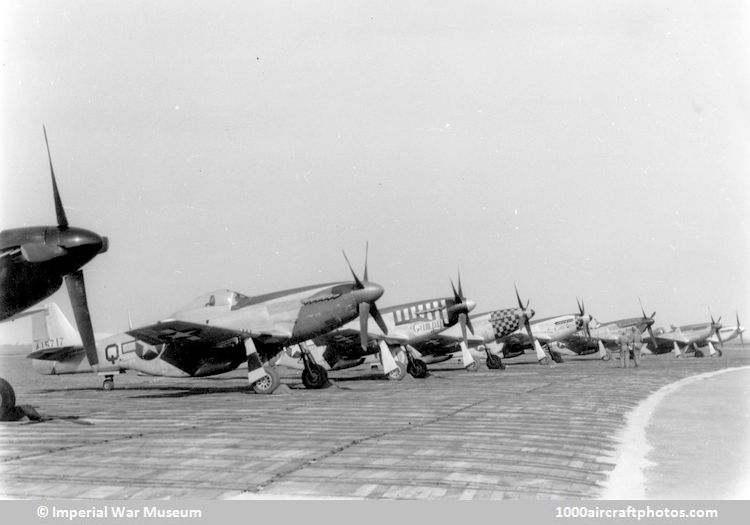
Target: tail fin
{"points": [[50, 328]]}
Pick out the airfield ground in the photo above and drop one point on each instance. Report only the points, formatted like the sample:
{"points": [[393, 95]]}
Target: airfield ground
{"points": [[529, 431]]}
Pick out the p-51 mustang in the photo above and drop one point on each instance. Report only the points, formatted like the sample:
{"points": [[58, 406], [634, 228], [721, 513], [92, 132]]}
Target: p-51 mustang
{"points": [[487, 328], [692, 337], [214, 334], [603, 338], [408, 324], [548, 330]]}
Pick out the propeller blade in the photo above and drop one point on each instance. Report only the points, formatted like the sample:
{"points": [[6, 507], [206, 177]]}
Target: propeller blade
{"points": [[367, 252], [518, 296], [62, 220], [469, 325], [721, 342], [460, 289], [77, 293], [642, 310], [456, 297], [375, 313], [35, 252], [357, 282], [462, 322], [364, 314], [653, 337]]}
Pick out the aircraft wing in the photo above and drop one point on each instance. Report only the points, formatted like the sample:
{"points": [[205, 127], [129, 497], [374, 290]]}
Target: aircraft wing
{"points": [[56, 354], [176, 331], [347, 338]]}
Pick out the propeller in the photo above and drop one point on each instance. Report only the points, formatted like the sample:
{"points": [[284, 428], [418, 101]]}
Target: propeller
{"points": [[367, 307], [460, 299], [464, 321], [582, 313], [70, 239], [534, 342], [716, 325], [648, 325]]}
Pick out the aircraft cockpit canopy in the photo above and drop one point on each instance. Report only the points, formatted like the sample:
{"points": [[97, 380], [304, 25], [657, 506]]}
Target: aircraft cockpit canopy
{"points": [[216, 299]]}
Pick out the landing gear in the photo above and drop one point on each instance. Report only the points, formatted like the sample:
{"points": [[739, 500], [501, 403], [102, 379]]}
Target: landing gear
{"points": [[314, 376], [556, 356], [494, 362], [269, 382], [109, 383], [473, 366], [398, 373], [699, 353], [417, 368], [7, 401]]}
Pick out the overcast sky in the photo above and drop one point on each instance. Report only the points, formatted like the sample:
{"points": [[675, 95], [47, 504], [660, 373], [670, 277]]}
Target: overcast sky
{"points": [[581, 149]]}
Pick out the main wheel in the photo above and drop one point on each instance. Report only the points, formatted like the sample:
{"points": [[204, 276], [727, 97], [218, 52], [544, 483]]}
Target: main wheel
{"points": [[472, 366], [494, 362], [314, 376], [7, 400], [699, 353], [417, 368], [399, 373], [109, 384], [268, 383], [556, 356]]}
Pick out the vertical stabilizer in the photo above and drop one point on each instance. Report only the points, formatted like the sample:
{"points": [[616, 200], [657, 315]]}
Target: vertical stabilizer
{"points": [[50, 327]]}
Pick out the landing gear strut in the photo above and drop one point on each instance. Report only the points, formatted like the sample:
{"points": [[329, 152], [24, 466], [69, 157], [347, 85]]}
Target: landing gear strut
{"points": [[314, 376], [416, 367], [556, 357]]}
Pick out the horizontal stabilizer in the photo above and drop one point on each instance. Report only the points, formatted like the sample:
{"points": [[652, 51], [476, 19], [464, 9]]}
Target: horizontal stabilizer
{"points": [[56, 354]]}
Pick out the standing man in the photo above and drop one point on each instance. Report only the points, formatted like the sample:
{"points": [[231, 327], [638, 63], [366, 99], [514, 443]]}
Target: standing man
{"points": [[630, 345]]}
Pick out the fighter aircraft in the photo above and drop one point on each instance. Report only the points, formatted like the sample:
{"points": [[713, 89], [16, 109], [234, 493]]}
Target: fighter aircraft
{"points": [[548, 330], [488, 328], [602, 338], [34, 261], [408, 324], [214, 333], [691, 336]]}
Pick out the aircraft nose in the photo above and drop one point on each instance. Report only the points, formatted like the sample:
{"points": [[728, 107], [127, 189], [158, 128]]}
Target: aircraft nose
{"points": [[79, 238], [371, 292]]}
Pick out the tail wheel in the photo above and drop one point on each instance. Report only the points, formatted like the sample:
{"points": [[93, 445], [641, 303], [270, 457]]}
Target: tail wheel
{"points": [[268, 383], [417, 368], [314, 376], [7, 400], [108, 384], [399, 373]]}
